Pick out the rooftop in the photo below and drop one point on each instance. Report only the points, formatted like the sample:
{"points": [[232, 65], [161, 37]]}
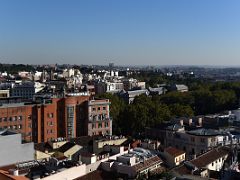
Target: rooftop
{"points": [[203, 132], [147, 163], [210, 157], [66, 147], [6, 132], [174, 151]]}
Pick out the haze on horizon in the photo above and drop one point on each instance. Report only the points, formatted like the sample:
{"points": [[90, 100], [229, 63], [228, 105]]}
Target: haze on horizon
{"points": [[136, 32]]}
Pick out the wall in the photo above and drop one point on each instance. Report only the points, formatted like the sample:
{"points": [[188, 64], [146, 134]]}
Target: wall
{"points": [[12, 151], [68, 174], [217, 164], [98, 145], [17, 117]]}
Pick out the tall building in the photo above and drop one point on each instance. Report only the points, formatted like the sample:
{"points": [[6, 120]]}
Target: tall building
{"points": [[49, 119], [99, 121]]}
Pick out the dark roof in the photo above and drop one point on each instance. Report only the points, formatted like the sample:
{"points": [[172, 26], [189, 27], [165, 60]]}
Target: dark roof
{"points": [[6, 132], [203, 132], [210, 156], [43, 146], [83, 140], [201, 161], [86, 154], [66, 147], [174, 151], [174, 127]]}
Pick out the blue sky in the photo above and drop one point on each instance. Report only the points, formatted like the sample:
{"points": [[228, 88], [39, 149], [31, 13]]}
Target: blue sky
{"points": [[126, 32]]}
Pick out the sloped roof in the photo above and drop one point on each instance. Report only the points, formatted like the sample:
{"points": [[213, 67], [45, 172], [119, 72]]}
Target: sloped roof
{"points": [[210, 157], [174, 151], [147, 163]]}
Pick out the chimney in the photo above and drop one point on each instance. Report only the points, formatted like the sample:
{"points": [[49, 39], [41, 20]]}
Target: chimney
{"points": [[200, 121], [190, 122], [181, 122]]}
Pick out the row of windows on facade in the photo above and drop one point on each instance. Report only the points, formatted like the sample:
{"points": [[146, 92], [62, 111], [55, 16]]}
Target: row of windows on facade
{"points": [[219, 160], [181, 158], [13, 118], [193, 138], [202, 139], [99, 108], [99, 117], [17, 126], [14, 127], [100, 132], [100, 125]]}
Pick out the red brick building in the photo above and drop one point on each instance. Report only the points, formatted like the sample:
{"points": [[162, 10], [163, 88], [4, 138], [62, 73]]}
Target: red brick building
{"points": [[67, 117], [41, 122]]}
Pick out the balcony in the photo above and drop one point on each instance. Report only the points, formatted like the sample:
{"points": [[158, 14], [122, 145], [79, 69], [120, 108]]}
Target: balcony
{"points": [[99, 120]]}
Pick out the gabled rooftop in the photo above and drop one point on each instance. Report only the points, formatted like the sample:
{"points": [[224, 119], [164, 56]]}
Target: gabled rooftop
{"points": [[174, 151]]}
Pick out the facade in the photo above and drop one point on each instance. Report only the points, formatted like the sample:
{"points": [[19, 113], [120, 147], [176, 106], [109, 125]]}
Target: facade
{"points": [[174, 156], [212, 160], [12, 150], [67, 117], [4, 93], [193, 142], [129, 96], [17, 117], [99, 121], [178, 87], [25, 90]]}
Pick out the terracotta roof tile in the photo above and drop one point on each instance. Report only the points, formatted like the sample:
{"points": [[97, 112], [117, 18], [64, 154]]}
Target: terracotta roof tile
{"points": [[210, 157], [174, 151]]}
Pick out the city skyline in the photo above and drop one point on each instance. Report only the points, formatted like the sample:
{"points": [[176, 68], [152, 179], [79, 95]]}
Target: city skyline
{"points": [[123, 32]]}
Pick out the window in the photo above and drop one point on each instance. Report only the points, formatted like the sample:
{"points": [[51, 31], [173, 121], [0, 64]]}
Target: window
{"points": [[5, 119], [0, 119], [29, 117], [29, 125], [93, 126], [213, 164], [106, 124], [50, 115], [19, 126], [99, 108], [20, 118], [93, 109], [10, 118], [192, 139], [99, 125], [104, 108]]}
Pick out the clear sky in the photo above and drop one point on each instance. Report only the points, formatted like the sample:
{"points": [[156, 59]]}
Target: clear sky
{"points": [[126, 32]]}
